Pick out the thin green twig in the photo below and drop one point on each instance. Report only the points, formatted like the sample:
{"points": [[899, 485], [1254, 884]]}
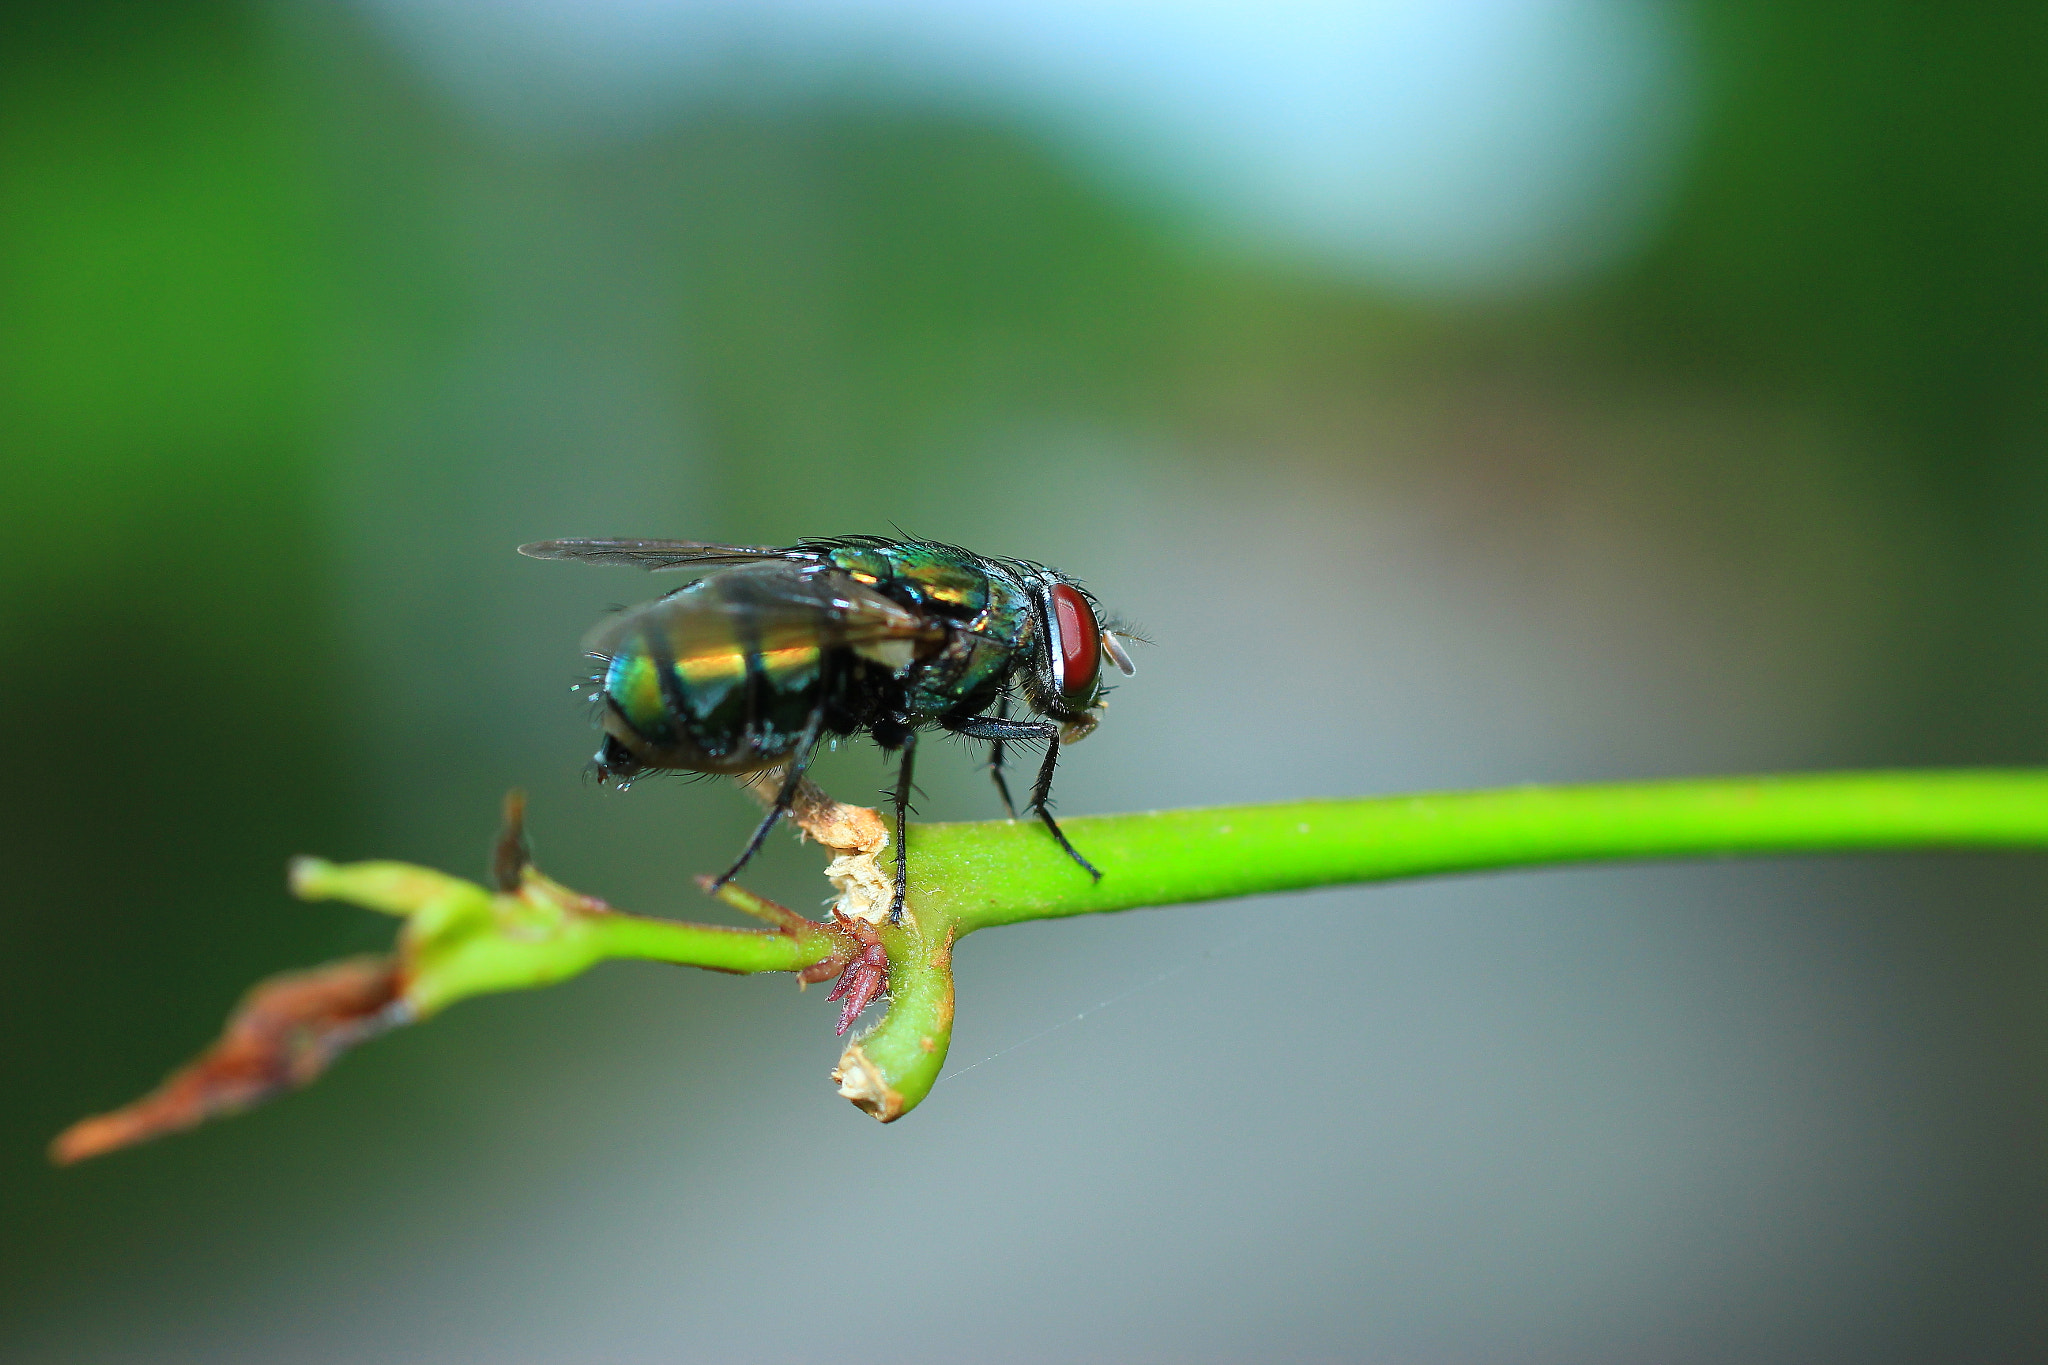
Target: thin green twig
{"points": [[984, 875], [462, 940]]}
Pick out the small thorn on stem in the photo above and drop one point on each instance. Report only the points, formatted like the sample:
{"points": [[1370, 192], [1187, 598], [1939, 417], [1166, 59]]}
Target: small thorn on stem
{"points": [[865, 978], [510, 856]]}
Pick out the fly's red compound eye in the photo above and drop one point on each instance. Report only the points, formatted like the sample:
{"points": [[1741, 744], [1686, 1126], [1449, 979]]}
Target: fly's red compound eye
{"points": [[1077, 659]]}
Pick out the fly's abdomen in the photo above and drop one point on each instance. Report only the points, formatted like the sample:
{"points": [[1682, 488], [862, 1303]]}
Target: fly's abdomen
{"points": [[705, 679]]}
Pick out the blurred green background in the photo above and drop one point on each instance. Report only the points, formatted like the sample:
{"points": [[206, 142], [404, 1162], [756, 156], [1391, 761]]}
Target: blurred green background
{"points": [[1488, 391]]}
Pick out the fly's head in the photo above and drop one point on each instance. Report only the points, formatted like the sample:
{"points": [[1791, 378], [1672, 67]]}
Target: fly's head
{"points": [[1069, 644]]}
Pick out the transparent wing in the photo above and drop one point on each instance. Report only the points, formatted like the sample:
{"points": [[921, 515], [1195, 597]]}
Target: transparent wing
{"points": [[772, 608], [664, 554]]}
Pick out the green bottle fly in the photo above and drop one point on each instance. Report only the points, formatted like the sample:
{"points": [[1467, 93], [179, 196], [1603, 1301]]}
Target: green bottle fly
{"points": [[776, 650]]}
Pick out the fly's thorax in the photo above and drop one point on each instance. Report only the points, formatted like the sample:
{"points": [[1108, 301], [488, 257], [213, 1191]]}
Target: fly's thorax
{"points": [[947, 582], [982, 656], [965, 678], [867, 564]]}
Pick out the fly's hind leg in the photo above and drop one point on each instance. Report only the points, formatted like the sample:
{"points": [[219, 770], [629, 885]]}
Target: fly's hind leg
{"points": [[902, 815], [792, 779], [996, 729]]}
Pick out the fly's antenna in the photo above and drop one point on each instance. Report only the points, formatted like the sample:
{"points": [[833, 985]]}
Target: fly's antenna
{"points": [[1116, 632], [1127, 630]]}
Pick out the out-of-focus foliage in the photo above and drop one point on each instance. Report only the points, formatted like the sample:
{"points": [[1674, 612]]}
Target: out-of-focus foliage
{"points": [[1864, 229], [169, 724]]}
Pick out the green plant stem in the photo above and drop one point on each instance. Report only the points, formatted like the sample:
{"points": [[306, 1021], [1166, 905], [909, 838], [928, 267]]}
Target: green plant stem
{"points": [[991, 873], [704, 945], [461, 940]]}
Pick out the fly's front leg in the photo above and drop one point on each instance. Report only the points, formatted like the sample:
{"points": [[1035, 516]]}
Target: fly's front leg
{"points": [[997, 728], [1041, 794]]}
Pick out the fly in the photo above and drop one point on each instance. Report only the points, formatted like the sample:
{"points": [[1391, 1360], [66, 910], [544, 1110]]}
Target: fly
{"points": [[774, 651]]}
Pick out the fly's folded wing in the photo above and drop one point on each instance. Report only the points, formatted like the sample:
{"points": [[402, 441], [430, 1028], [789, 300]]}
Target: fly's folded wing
{"points": [[781, 612], [655, 555]]}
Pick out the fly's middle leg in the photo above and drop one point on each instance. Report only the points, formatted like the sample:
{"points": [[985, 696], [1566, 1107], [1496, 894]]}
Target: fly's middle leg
{"points": [[995, 759]]}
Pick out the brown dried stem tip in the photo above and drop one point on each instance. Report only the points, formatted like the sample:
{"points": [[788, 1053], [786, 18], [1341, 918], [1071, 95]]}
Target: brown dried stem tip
{"points": [[282, 1036]]}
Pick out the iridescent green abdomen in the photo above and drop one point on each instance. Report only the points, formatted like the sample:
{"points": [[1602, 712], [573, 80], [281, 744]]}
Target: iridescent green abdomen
{"points": [[724, 675]]}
